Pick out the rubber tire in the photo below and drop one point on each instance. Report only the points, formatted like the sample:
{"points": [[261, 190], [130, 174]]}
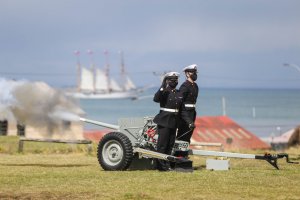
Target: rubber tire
{"points": [[123, 143]]}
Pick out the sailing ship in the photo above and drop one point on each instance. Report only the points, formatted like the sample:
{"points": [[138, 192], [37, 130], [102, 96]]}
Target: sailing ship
{"points": [[96, 83]]}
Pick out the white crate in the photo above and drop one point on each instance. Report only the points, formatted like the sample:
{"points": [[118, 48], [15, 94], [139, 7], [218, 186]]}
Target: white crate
{"points": [[213, 164]]}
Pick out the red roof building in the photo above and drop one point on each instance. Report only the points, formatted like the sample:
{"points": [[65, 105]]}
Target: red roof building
{"points": [[222, 129], [95, 135]]}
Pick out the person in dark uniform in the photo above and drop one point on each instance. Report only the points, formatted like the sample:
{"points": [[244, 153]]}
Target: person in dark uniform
{"points": [[167, 120], [189, 91]]}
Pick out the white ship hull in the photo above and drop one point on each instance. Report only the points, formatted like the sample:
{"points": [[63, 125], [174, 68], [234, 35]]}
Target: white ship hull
{"points": [[112, 95]]}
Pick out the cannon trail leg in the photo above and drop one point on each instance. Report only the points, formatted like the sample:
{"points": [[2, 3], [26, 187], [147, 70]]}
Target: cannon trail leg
{"points": [[270, 158]]}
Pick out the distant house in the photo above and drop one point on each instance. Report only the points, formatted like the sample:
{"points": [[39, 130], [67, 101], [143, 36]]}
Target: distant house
{"points": [[287, 139], [66, 130], [222, 129]]}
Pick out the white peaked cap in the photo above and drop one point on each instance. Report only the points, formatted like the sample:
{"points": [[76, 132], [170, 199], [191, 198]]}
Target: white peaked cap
{"points": [[171, 74], [190, 67]]}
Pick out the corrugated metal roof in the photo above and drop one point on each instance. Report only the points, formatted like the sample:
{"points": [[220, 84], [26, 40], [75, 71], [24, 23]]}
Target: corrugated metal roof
{"points": [[222, 129]]}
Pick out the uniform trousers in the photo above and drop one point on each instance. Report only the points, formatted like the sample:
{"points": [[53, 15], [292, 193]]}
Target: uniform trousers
{"points": [[165, 143], [184, 132]]}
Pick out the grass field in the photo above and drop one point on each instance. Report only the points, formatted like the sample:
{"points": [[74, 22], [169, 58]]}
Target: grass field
{"points": [[60, 171]]}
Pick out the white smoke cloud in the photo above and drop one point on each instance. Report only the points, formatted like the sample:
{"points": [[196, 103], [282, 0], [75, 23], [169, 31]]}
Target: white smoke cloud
{"points": [[36, 104]]}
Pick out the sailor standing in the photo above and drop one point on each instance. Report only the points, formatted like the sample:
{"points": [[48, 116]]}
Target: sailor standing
{"points": [[189, 91], [167, 119]]}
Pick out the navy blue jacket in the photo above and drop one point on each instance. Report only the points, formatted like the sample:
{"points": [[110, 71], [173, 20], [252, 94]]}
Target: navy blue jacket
{"points": [[171, 99]]}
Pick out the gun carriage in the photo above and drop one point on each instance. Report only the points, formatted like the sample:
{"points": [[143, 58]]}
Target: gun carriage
{"points": [[134, 139]]}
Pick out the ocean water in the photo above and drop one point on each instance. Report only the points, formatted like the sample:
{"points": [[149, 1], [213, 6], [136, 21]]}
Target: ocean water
{"points": [[264, 112]]}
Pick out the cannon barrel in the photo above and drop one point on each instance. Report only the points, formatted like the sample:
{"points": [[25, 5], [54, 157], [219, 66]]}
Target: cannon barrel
{"points": [[106, 125]]}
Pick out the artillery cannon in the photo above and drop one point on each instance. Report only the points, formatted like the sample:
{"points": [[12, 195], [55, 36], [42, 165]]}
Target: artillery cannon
{"points": [[134, 140]]}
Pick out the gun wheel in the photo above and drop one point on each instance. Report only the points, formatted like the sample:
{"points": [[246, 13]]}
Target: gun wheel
{"points": [[115, 152]]}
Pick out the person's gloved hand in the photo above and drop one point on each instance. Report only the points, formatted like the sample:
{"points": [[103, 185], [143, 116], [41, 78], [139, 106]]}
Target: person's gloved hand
{"points": [[164, 83], [192, 126]]}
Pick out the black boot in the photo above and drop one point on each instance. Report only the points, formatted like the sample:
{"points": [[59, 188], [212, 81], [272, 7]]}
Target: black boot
{"points": [[162, 165]]}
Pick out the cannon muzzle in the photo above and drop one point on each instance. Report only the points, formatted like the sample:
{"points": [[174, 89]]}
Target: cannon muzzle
{"points": [[106, 125]]}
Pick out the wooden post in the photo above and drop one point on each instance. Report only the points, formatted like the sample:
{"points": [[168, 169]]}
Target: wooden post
{"points": [[3, 127], [89, 148], [21, 144]]}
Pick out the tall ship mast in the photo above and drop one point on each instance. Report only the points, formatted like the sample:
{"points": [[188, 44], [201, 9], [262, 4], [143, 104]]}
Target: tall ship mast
{"points": [[128, 84], [77, 54]]}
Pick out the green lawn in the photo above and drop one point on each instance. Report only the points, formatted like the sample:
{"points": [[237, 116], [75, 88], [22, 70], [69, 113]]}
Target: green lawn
{"points": [[64, 172]]}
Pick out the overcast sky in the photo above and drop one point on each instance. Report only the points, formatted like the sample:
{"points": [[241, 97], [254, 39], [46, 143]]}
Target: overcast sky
{"points": [[236, 43]]}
